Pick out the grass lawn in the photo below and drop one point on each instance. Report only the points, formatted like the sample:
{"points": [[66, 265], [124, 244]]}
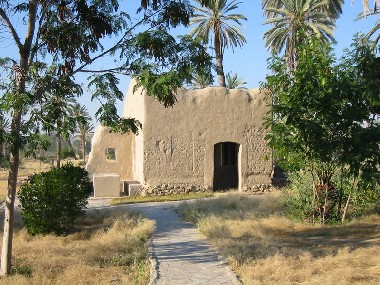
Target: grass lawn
{"points": [[107, 247], [264, 247]]}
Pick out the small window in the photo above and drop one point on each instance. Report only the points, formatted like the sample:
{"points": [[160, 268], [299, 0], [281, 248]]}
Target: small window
{"points": [[111, 154]]}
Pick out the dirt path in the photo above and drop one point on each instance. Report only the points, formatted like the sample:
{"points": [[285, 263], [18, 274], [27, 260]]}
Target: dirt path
{"points": [[180, 254]]}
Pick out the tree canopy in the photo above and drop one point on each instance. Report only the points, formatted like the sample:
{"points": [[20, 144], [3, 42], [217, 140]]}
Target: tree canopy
{"points": [[325, 118], [217, 23], [56, 40], [293, 21]]}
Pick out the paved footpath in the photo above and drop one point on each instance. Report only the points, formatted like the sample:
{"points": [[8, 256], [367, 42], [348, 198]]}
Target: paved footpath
{"points": [[180, 254]]}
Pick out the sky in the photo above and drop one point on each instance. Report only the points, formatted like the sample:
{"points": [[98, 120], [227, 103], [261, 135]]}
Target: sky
{"points": [[250, 61]]}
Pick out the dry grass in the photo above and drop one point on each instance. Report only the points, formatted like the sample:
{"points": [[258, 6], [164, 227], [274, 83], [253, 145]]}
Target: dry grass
{"points": [[108, 247], [264, 247], [163, 198]]}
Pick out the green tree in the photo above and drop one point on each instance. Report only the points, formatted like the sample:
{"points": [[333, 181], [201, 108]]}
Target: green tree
{"points": [[324, 121], [233, 81], [216, 23], [72, 34], [294, 21]]}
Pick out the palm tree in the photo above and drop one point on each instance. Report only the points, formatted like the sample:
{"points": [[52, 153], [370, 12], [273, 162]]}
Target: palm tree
{"points": [[375, 31], [84, 126], [235, 82], [367, 10], [84, 130], [296, 21], [216, 24], [58, 112], [334, 7], [201, 79]]}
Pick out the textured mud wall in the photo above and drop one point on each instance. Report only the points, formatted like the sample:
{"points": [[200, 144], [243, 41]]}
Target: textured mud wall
{"points": [[134, 107], [123, 146], [174, 152], [179, 141]]}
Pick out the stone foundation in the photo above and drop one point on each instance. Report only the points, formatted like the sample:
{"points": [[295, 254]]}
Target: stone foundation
{"points": [[183, 188], [168, 189], [258, 188]]}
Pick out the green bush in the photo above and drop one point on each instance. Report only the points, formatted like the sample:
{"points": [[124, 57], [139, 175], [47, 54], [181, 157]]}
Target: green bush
{"points": [[300, 205], [299, 196], [51, 201], [68, 152]]}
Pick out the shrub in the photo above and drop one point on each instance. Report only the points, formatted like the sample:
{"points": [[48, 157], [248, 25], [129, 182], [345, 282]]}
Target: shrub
{"points": [[299, 196], [300, 204], [68, 152], [51, 201]]}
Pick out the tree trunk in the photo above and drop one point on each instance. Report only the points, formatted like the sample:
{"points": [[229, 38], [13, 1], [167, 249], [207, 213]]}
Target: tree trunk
{"points": [[70, 145], [2, 156], [345, 208], [219, 60], [4, 150], [58, 141], [68, 141], [83, 145], [14, 162]]}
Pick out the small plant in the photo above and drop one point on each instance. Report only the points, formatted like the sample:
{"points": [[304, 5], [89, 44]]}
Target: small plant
{"points": [[51, 201], [24, 270]]}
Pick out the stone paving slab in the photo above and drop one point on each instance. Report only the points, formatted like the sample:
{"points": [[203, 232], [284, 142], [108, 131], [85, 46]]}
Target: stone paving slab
{"points": [[180, 253]]}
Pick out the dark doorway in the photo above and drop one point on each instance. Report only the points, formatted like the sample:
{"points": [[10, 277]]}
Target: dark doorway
{"points": [[226, 165]]}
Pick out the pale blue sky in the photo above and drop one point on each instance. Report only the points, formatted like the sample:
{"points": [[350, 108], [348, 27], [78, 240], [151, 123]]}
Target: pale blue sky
{"points": [[248, 62]]}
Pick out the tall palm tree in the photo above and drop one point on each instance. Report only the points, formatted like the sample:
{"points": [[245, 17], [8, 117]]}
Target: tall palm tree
{"points": [[59, 120], [296, 21], [216, 24], [84, 126], [334, 7], [84, 130], [367, 10], [375, 32]]}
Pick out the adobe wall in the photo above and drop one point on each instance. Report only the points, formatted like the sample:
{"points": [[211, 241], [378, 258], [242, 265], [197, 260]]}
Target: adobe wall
{"points": [[175, 150], [134, 107], [179, 141], [123, 146]]}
